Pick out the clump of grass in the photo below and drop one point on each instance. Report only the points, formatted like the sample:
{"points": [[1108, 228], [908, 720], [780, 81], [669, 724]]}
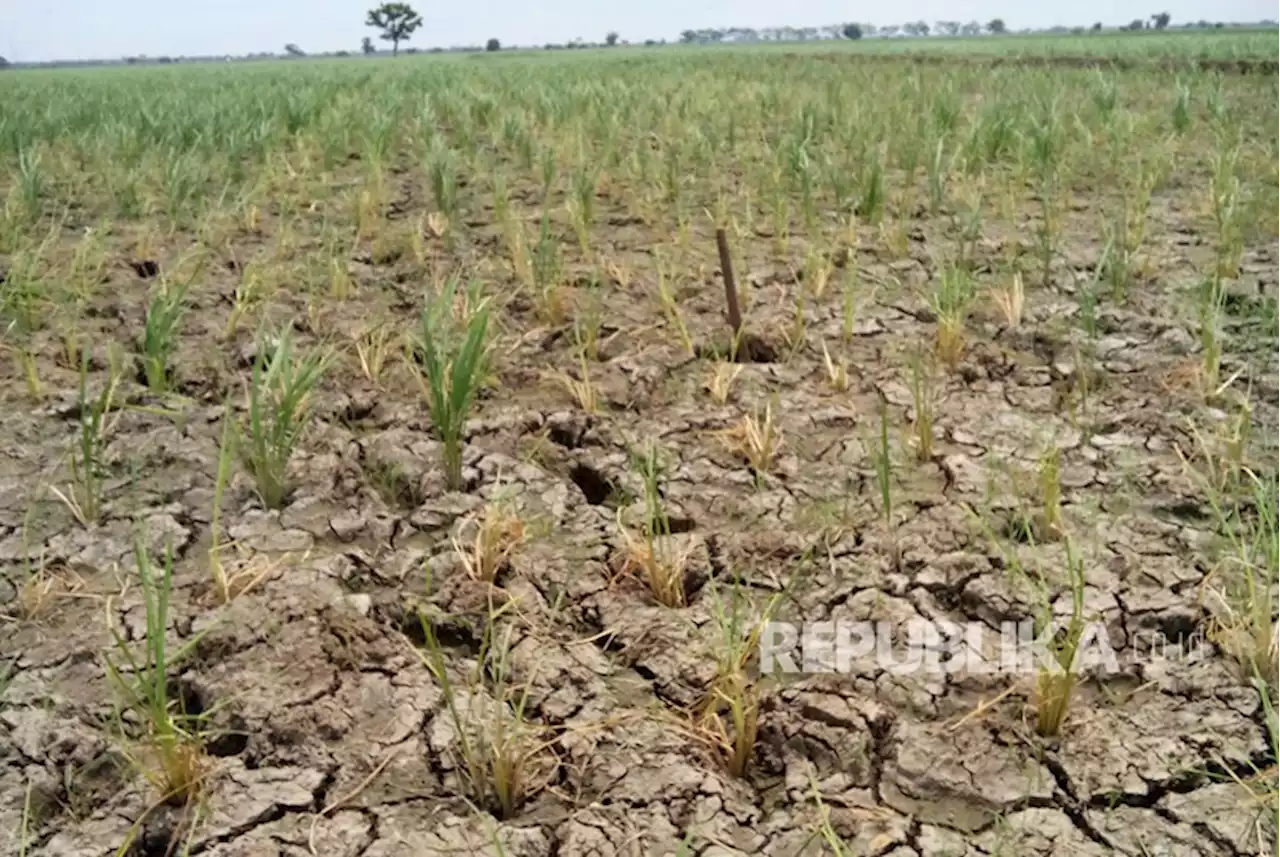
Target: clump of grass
{"points": [[164, 314], [392, 483], [70, 336], [951, 301], [1181, 108], [546, 268], [1260, 786], [1242, 588], [1056, 680], [279, 395], [374, 345], [720, 384], [872, 197], [587, 321], [729, 714], [452, 355], [88, 468], [658, 563], [817, 272], [884, 481], [922, 397], [171, 755], [35, 594], [24, 357], [498, 749], [653, 557], [671, 309], [731, 721], [40, 583], [650, 466], [581, 389], [581, 205], [1234, 439], [341, 286], [1044, 157], [228, 584], [795, 334], [756, 439], [1086, 372], [1210, 310], [837, 371], [258, 279], [1051, 494], [441, 163], [1225, 197], [1011, 300], [499, 530], [226, 460]]}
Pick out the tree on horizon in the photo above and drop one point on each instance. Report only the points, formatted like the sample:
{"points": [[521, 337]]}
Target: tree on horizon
{"points": [[397, 22]]}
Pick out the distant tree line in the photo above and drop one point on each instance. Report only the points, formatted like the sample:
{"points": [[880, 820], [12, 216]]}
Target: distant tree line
{"points": [[839, 31], [911, 29]]}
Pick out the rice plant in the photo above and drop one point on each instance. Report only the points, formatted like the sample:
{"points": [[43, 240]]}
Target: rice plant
{"points": [[922, 399], [40, 582], [279, 410], [1210, 311], [721, 380], [84, 496], [374, 346], [951, 302], [497, 531], [654, 557], [452, 355], [729, 713], [581, 389], [496, 750], [169, 752], [884, 482], [671, 309], [231, 577], [1051, 494], [1058, 677], [757, 439], [837, 371], [1011, 299], [159, 338], [1243, 590]]}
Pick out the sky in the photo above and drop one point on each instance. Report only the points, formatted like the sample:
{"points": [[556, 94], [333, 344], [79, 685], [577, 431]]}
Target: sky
{"points": [[40, 30]]}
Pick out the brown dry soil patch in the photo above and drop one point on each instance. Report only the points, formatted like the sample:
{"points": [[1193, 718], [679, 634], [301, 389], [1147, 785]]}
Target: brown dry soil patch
{"points": [[331, 737]]}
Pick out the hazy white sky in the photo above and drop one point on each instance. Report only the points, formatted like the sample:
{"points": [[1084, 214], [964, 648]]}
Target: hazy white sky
{"points": [[33, 30]]}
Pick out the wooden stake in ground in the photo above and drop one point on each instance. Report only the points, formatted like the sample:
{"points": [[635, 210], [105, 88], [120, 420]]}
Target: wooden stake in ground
{"points": [[730, 286]]}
